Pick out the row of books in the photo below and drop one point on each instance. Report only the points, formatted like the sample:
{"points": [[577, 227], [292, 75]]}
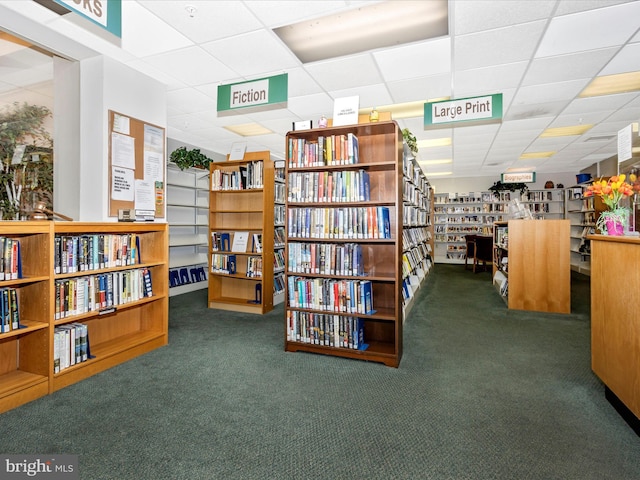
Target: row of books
{"points": [[91, 293], [278, 283], [412, 259], [223, 263], [10, 259], [459, 210], [236, 241], [329, 186], [414, 216], [416, 196], [414, 236], [248, 176], [326, 150], [331, 295], [279, 192], [278, 260], [324, 329], [9, 310], [346, 222], [326, 258], [254, 267], [278, 215], [278, 237], [415, 175], [70, 346], [79, 253]]}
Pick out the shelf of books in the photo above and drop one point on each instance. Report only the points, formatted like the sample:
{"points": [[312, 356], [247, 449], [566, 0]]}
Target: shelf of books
{"points": [[417, 234], [75, 299], [109, 296], [583, 213], [241, 234], [344, 242], [279, 231]]}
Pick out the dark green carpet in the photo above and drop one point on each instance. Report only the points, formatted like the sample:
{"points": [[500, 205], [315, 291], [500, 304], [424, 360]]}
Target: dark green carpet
{"points": [[481, 393]]}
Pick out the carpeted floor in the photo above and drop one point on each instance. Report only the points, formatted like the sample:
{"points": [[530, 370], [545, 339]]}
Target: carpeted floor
{"points": [[481, 393]]}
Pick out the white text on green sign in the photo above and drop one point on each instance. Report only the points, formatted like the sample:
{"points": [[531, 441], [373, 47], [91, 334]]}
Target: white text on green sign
{"points": [[487, 108]]}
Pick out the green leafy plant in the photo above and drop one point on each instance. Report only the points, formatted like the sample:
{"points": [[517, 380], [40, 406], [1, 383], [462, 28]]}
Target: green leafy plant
{"points": [[26, 159], [184, 158], [410, 140]]}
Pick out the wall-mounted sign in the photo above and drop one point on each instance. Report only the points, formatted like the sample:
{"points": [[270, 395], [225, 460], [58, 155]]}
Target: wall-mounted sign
{"points": [[105, 13], [485, 109], [270, 91], [520, 177]]}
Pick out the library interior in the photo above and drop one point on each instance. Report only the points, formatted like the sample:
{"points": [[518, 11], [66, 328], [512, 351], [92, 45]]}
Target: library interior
{"points": [[384, 239]]}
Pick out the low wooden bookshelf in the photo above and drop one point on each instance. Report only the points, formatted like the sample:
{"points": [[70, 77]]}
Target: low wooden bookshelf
{"points": [[116, 333]]}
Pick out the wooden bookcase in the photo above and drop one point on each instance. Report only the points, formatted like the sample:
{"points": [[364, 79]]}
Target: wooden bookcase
{"points": [[380, 156], [537, 270], [243, 210], [25, 353], [116, 334]]}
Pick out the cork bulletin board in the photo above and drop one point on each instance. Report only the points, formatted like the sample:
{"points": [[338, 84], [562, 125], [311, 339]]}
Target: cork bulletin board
{"points": [[136, 166]]}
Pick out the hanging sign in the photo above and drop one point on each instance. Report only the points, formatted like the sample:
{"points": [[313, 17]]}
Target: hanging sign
{"points": [[485, 109], [520, 177], [270, 91], [105, 13]]}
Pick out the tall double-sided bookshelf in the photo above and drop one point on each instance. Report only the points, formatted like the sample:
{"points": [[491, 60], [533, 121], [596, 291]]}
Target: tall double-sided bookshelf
{"points": [[242, 280], [133, 320], [344, 245], [417, 235]]}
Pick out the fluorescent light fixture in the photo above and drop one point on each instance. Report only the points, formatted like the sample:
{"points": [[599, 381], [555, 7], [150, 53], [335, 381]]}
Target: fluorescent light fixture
{"points": [[530, 155], [565, 131], [248, 129], [438, 174], [384, 24], [434, 142], [442, 161], [611, 84]]}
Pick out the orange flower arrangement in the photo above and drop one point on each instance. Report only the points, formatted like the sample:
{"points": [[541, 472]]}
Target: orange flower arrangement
{"points": [[611, 192]]}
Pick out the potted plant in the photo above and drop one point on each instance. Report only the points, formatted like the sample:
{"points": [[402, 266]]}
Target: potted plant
{"points": [[26, 165], [613, 220], [411, 141], [184, 158]]}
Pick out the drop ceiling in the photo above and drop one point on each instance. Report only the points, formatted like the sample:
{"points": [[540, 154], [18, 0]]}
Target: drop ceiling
{"points": [[539, 54]]}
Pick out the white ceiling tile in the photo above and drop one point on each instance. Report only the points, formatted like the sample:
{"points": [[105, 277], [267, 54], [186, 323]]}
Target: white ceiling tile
{"points": [[567, 7], [301, 83], [156, 36], [370, 96], [276, 13], [423, 88], [542, 109], [495, 47], [550, 92], [602, 103], [311, 106], [266, 53], [561, 68], [475, 15], [345, 72], [189, 100], [488, 80], [192, 65], [627, 60], [210, 21], [415, 60], [590, 30]]}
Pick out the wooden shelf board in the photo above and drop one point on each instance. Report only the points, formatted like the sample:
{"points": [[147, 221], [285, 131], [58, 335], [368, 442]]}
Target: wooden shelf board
{"points": [[235, 305], [17, 380], [108, 311], [375, 352]]}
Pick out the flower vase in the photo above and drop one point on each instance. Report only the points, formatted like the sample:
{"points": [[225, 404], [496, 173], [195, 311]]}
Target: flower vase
{"points": [[614, 227]]}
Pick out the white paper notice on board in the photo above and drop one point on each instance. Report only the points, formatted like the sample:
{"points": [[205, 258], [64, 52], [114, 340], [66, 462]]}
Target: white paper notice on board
{"points": [[123, 151], [145, 195], [121, 124], [122, 184], [345, 111], [152, 166], [624, 144]]}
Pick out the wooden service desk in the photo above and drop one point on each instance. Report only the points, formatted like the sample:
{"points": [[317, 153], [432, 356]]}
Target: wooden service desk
{"points": [[615, 319]]}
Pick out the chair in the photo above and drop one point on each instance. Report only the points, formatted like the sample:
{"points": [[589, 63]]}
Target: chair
{"points": [[482, 252], [470, 241]]}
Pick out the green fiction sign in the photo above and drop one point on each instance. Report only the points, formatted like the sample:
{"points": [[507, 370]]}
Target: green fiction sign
{"points": [[270, 91], [485, 109], [105, 13]]}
